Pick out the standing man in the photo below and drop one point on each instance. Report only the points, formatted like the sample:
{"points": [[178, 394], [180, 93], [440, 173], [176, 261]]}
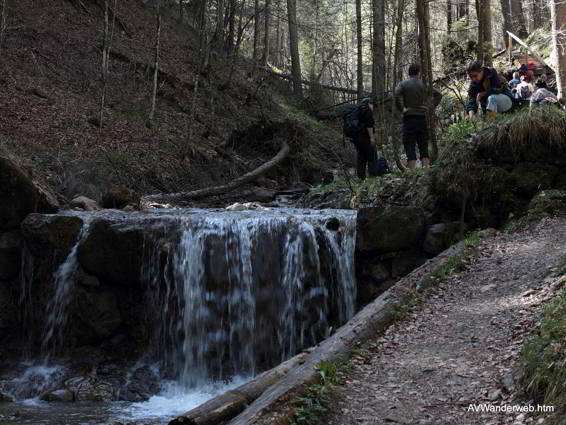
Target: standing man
{"points": [[365, 141], [411, 99]]}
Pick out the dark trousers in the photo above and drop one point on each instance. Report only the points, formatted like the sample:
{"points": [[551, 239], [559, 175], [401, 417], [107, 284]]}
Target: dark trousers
{"points": [[366, 153], [415, 133]]}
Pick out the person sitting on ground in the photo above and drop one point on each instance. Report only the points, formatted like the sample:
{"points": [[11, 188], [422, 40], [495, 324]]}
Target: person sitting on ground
{"points": [[412, 100], [486, 90], [542, 95], [515, 81], [365, 141], [524, 89]]}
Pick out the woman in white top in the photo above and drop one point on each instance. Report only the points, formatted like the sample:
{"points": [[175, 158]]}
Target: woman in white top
{"points": [[542, 95]]}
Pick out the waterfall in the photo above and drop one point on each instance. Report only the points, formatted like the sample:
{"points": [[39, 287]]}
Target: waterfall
{"points": [[239, 292], [57, 307], [220, 295]]}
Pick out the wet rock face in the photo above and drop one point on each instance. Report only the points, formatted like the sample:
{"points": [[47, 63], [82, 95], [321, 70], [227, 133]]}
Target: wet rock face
{"points": [[10, 254], [389, 229], [20, 195], [53, 234], [113, 252]]}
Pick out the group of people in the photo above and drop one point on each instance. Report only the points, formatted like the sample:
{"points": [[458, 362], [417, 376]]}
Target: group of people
{"points": [[491, 91], [411, 100], [488, 90]]}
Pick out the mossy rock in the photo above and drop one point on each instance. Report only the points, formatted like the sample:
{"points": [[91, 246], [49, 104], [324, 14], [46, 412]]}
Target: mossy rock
{"points": [[530, 178], [548, 202]]}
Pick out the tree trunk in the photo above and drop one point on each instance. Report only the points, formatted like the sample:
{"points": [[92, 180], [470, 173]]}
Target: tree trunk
{"points": [[278, 43], [256, 30], [518, 19], [506, 12], [487, 37], [219, 31], [104, 70], [360, 73], [2, 24], [155, 63], [181, 11], [240, 181], [397, 76], [558, 17], [227, 405], [426, 66], [231, 27], [448, 15], [481, 32], [294, 47], [265, 56], [378, 52]]}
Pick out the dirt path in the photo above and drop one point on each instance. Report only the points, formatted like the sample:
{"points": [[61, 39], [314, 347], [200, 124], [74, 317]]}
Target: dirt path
{"points": [[461, 345]]}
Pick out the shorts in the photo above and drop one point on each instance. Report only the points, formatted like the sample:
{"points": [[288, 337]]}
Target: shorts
{"points": [[415, 133], [499, 103]]}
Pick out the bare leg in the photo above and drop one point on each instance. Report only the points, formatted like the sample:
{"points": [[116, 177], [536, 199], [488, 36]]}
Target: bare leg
{"points": [[411, 164]]}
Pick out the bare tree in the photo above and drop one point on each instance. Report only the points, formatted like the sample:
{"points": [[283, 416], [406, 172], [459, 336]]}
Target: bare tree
{"points": [[506, 12], [294, 46], [2, 23], [360, 78], [256, 30], [558, 17], [426, 66], [487, 37], [448, 14], [104, 64], [155, 62], [518, 18], [378, 52], [266, 14]]}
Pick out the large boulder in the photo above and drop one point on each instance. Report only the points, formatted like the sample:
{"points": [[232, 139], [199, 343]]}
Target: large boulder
{"points": [[547, 202], [52, 235], [91, 389], [10, 254], [59, 396], [20, 195], [530, 178], [389, 229], [84, 203], [113, 249], [119, 196], [440, 236], [97, 308]]}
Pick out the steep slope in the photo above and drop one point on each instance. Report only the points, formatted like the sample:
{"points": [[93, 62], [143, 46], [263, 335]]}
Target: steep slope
{"points": [[50, 90]]}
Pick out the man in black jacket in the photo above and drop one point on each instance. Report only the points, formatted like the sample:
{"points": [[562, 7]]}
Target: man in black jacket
{"points": [[412, 100], [365, 140]]}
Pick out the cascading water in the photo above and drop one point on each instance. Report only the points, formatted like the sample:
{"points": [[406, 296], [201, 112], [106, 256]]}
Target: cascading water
{"points": [[57, 307], [228, 294], [241, 292]]}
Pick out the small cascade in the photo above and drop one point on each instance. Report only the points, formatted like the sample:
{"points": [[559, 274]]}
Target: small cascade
{"points": [[239, 293], [57, 307], [210, 297]]}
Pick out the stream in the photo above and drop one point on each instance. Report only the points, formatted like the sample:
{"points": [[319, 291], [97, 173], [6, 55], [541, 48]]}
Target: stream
{"points": [[152, 313]]}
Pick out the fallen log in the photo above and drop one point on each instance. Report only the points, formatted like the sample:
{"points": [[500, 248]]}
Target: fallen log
{"points": [[324, 86], [228, 405], [218, 190], [374, 318]]}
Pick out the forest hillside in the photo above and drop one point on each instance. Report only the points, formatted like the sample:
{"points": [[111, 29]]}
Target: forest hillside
{"points": [[212, 123]]}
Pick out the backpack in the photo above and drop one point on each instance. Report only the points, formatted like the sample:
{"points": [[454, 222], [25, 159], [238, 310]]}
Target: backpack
{"points": [[378, 167], [352, 125]]}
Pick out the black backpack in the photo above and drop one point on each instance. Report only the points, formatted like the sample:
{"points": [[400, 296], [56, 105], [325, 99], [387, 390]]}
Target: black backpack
{"points": [[352, 125], [378, 167]]}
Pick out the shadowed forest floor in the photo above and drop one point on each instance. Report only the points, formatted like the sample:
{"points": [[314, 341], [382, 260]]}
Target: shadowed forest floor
{"points": [[461, 346]]}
